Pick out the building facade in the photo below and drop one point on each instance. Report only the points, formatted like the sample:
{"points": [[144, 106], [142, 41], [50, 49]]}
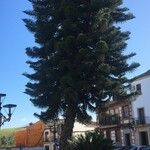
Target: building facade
{"points": [[116, 122], [53, 131], [47, 135], [141, 108], [52, 134], [30, 136]]}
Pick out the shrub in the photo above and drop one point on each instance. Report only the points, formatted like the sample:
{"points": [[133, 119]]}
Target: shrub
{"points": [[90, 141]]}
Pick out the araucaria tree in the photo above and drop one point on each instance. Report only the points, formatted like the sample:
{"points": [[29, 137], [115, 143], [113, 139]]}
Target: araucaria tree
{"points": [[79, 58]]}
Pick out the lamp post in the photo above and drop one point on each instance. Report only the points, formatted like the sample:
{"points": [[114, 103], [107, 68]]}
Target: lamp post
{"points": [[54, 129], [8, 107]]}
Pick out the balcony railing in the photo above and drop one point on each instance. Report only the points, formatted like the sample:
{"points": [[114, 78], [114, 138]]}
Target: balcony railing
{"points": [[109, 120], [142, 121]]}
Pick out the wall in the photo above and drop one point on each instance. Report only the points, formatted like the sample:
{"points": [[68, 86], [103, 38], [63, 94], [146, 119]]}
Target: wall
{"points": [[80, 128], [31, 136], [137, 134], [35, 148], [20, 138], [142, 100]]}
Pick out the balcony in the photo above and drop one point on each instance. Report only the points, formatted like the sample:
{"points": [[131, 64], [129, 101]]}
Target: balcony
{"points": [[142, 121], [109, 120]]}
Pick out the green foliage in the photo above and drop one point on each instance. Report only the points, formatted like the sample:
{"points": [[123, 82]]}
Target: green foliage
{"points": [[90, 141], [79, 60], [7, 141], [7, 137]]}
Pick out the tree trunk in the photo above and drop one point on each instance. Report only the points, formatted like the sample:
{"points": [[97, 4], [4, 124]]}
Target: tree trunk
{"points": [[67, 127]]}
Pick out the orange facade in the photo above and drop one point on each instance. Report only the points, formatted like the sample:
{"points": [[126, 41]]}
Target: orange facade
{"points": [[31, 136]]}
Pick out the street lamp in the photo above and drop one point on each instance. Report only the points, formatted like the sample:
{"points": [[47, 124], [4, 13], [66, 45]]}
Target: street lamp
{"points": [[54, 128], [9, 108]]}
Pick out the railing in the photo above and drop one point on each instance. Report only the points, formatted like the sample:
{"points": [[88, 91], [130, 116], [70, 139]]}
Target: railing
{"points": [[109, 120], [142, 121]]}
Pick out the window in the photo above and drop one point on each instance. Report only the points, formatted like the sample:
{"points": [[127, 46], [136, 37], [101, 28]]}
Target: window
{"points": [[46, 136], [117, 135], [108, 134], [112, 111], [133, 88], [138, 89], [126, 112], [141, 116], [117, 111]]}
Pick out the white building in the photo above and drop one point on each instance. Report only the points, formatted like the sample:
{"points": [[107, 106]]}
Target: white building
{"points": [[141, 108], [80, 128]]}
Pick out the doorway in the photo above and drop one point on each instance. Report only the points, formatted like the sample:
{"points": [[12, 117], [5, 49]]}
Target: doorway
{"points": [[47, 147], [144, 138], [127, 139]]}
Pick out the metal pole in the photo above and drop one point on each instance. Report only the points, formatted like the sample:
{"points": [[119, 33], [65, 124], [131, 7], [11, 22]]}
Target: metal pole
{"points": [[1, 115], [0, 110], [54, 135], [9, 107]]}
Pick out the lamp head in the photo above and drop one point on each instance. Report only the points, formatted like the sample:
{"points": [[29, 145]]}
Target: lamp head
{"points": [[10, 107], [2, 95]]}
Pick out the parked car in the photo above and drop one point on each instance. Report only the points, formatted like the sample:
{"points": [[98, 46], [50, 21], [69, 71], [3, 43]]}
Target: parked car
{"points": [[138, 148], [124, 148], [147, 148], [133, 148], [119, 148]]}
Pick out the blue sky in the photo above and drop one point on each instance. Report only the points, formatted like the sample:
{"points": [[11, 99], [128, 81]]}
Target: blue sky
{"points": [[14, 38]]}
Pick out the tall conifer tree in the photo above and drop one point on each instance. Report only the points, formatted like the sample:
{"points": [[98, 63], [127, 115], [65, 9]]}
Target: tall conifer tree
{"points": [[79, 60]]}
